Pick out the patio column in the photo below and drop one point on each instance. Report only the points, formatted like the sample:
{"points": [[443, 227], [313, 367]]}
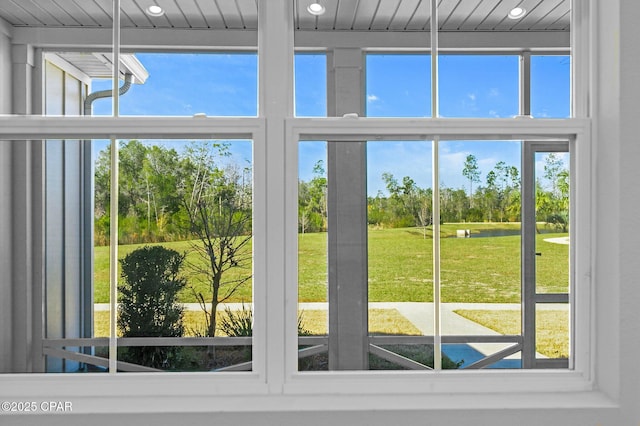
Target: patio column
{"points": [[347, 219]]}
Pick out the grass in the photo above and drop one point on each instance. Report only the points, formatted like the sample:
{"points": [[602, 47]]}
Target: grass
{"points": [[195, 283], [552, 328], [473, 270], [381, 321], [193, 320]]}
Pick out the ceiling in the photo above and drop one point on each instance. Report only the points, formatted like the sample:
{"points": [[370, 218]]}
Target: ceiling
{"points": [[341, 15]]}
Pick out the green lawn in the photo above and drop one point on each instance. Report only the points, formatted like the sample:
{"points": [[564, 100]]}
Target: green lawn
{"points": [[552, 328], [401, 266], [381, 321], [195, 282]]}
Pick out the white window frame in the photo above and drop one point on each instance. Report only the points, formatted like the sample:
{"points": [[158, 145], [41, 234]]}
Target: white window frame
{"points": [[118, 128], [577, 131], [275, 385]]}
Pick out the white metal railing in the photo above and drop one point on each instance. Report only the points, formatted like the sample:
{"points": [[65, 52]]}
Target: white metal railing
{"points": [[309, 346]]}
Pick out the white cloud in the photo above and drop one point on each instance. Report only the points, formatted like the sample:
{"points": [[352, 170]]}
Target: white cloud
{"points": [[372, 98], [472, 96]]}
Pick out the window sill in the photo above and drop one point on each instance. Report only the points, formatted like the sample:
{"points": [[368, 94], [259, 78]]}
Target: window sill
{"points": [[239, 392]]}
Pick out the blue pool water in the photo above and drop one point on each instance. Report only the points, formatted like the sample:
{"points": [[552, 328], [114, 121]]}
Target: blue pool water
{"points": [[461, 351]]}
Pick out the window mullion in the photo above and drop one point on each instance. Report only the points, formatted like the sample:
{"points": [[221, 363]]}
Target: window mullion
{"points": [[437, 340], [275, 58], [113, 239]]}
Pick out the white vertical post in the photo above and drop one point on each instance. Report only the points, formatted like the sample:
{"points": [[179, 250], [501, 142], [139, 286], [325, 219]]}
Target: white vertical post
{"points": [[113, 236], [437, 340], [275, 58], [581, 98]]}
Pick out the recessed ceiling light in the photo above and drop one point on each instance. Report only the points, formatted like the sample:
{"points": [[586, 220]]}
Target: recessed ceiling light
{"points": [[316, 9], [517, 13], [155, 10]]}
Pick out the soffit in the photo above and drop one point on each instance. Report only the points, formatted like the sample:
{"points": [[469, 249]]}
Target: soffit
{"points": [[100, 65]]}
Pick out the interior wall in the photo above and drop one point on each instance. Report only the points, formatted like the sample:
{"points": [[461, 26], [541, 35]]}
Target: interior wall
{"points": [[629, 206], [5, 211]]}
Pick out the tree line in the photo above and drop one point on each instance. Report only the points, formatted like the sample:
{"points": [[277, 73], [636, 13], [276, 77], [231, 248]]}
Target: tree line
{"points": [[157, 185], [406, 204]]}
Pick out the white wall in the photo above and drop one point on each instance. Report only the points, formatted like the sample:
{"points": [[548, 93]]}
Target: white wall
{"points": [[629, 206], [5, 202]]}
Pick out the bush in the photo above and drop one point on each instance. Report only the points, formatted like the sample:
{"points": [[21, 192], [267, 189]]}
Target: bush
{"points": [[240, 323], [148, 304], [237, 324]]}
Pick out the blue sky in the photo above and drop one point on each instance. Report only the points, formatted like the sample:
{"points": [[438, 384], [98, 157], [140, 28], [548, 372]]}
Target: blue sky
{"points": [[397, 85]]}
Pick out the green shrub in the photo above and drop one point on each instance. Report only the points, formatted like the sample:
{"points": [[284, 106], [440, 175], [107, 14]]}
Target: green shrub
{"points": [[240, 323], [237, 323], [148, 304]]}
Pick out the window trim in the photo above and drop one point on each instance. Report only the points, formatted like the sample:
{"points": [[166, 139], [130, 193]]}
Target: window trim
{"points": [[43, 128]]}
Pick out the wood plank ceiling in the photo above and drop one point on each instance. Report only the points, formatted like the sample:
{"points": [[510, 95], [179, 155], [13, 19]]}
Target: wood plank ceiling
{"points": [[343, 15]]}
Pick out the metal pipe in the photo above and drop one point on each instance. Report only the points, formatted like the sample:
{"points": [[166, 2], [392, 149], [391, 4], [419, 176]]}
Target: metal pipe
{"points": [[88, 101]]}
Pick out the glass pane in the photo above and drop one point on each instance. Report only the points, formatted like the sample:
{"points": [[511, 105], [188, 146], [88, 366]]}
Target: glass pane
{"points": [[552, 200], [100, 106], [185, 84], [390, 274], [313, 318], [400, 252], [551, 86], [185, 247], [480, 247], [478, 86], [398, 85], [54, 90], [552, 216], [311, 85], [67, 299], [552, 331]]}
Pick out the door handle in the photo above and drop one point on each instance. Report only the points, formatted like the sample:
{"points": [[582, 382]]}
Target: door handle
{"points": [[538, 254]]}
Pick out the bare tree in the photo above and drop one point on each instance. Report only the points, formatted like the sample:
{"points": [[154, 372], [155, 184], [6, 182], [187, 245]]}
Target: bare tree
{"points": [[215, 202]]}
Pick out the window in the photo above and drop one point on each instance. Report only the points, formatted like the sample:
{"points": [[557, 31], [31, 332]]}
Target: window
{"points": [[419, 173]]}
